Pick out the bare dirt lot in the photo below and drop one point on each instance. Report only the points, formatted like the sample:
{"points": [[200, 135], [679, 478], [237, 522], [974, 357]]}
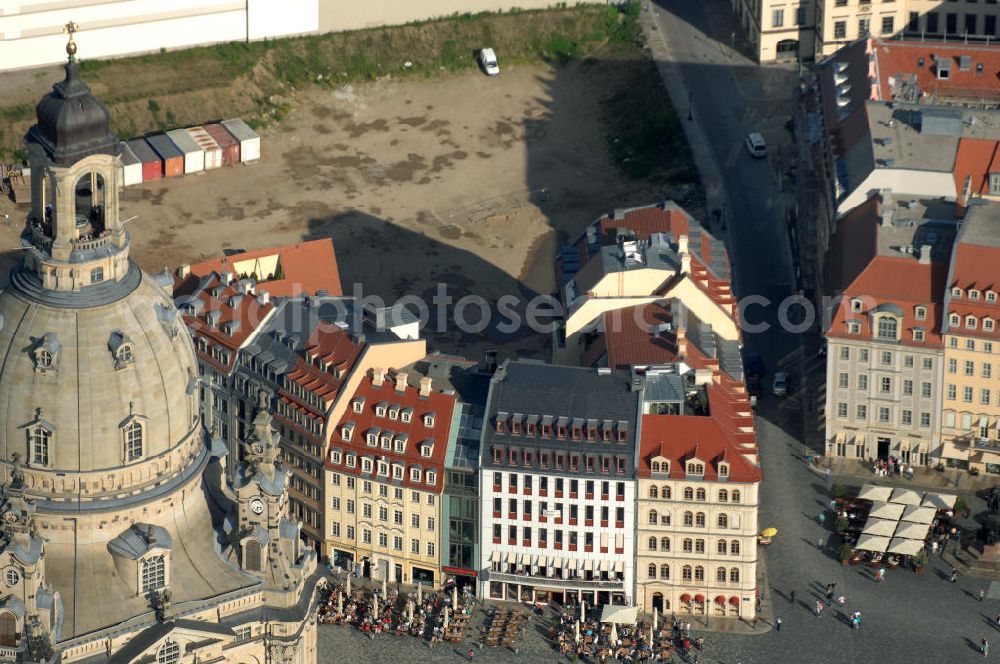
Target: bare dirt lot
{"points": [[463, 180]]}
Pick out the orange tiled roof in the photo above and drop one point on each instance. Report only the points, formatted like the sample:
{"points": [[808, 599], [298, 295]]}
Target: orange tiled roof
{"points": [[975, 267], [306, 268], [680, 438], [976, 159], [901, 281], [894, 58]]}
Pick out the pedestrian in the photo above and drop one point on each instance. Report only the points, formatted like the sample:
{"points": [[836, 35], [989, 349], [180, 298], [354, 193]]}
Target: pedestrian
{"points": [[982, 594], [934, 547], [821, 518], [841, 600], [986, 647], [687, 630], [777, 624], [881, 574], [826, 474], [819, 607], [819, 544], [998, 620], [754, 623], [472, 653], [829, 591], [954, 575], [791, 600]]}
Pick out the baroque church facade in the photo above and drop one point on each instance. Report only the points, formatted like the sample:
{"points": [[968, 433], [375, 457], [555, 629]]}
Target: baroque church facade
{"points": [[120, 539]]}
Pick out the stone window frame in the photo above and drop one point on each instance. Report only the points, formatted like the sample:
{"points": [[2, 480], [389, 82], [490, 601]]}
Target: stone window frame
{"points": [[128, 424], [150, 560], [39, 426]]}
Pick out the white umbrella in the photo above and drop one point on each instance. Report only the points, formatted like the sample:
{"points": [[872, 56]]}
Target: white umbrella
{"points": [[915, 514], [375, 607], [906, 547], [385, 588], [409, 611], [875, 493], [583, 610], [340, 603], [454, 596], [420, 594], [614, 634], [886, 510], [910, 530], [873, 543], [348, 584], [880, 527], [654, 618], [941, 501], [576, 631], [445, 618], [905, 496]]}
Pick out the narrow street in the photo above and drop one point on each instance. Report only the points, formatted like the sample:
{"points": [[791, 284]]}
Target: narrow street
{"points": [[910, 616]]}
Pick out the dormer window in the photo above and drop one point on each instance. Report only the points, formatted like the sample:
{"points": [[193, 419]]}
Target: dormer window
{"points": [[358, 404], [406, 415], [954, 320], [970, 322], [991, 296], [887, 328], [591, 430], [347, 431], [577, 432], [351, 460], [988, 324], [372, 438], [397, 471], [394, 412], [414, 474], [854, 327], [920, 313], [695, 468], [46, 353], [973, 294], [383, 468], [622, 431], [956, 292], [387, 440], [401, 440], [431, 477], [856, 305], [501, 422], [133, 435], [366, 465], [429, 420], [380, 409], [427, 448], [335, 456], [918, 335], [723, 469]]}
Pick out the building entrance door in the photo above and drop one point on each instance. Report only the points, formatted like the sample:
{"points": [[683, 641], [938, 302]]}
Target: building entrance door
{"points": [[883, 447]]}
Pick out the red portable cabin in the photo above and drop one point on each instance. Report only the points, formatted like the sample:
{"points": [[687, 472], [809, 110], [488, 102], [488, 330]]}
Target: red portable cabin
{"points": [[152, 165], [173, 159], [230, 146]]}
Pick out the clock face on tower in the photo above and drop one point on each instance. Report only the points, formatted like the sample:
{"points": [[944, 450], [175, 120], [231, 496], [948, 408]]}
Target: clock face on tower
{"points": [[257, 506], [257, 448]]}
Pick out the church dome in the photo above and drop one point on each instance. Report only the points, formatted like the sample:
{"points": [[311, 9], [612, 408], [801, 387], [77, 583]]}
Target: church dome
{"points": [[72, 123], [98, 400]]}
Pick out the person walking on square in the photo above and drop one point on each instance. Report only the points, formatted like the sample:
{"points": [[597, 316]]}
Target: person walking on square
{"points": [[791, 600], [982, 594], [472, 653], [954, 575], [777, 624], [819, 607], [985, 646]]}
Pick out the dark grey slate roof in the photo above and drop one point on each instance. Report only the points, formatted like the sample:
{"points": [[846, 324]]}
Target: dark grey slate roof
{"points": [[134, 543], [581, 394]]}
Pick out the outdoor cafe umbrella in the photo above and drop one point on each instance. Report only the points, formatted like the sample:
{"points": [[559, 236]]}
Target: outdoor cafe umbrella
{"points": [[873, 543], [348, 584], [614, 634], [583, 610], [915, 514], [904, 496], [340, 603], [445, 618], [576, 631], [914, 531], [941, 501], [654, 617], [385, 587], [906, 547], [769, 532], [409, 611], [880, 527], [454, 596], [420, 594], [375, 607], [875, 493]]}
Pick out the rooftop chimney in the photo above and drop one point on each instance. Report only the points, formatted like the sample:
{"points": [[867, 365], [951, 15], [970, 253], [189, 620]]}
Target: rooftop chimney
{"points": [[378, 376], [925, 254], [183, 271], [425, 386], [263, 297], [682, 344], [682, 251], [226, 278], [682, 243], [401, 380]]}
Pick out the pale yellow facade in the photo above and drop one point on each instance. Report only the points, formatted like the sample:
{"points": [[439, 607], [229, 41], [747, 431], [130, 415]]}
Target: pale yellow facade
{"points": [[394, 528], [970, 411], [777, 30], [840, 22], [715, 556]]}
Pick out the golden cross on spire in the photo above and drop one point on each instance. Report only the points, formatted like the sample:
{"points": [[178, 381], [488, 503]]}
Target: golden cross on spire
{"points": [[69, 29]]}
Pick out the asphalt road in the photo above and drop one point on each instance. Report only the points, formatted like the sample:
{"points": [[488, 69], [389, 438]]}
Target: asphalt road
{"points": [[909, 618]]}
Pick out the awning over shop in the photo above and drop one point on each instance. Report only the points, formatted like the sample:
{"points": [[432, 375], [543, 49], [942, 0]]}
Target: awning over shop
{"points": [[525, 559], [886, 511], [720, 599], [875, 493], [734, 600], [880, 527], [873, 543], [910, 530], [615, 613], [919, 514], [904, 496], [906, 547], [588, 565], [619, 566], [605, 565], [495, 557], [941, 501], [700, 599], [685, 598]]}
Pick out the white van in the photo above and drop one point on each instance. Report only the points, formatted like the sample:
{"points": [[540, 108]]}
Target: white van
{"points": [[756, 145]]}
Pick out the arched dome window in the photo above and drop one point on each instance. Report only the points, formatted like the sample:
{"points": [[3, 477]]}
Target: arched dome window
{"points": [[97, 275], [46, 353], [169, 653], [39, 444], [8, 629], [134, 438], [252, 555]]}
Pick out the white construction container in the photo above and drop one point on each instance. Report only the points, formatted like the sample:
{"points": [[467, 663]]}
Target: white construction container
{"points": [[248, 138], [213, 153], [194, 155], [131, 166]]}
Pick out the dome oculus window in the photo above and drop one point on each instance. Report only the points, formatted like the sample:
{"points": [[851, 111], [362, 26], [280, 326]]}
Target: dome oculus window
{"points": [[46, 353], [121, 349]]}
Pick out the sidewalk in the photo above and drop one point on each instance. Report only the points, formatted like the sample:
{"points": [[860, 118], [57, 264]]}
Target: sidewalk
{"points": [[950, 480]]}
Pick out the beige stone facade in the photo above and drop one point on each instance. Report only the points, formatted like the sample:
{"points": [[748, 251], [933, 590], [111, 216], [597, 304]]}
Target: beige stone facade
{"points": [[703, 545], [970, 415]]}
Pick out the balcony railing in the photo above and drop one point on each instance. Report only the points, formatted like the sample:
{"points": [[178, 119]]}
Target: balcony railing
{"points": [[555, 582], [91, 243]]}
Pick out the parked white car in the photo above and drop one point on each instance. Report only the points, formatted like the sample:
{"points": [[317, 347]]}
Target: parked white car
{"points": [[488, 61], [780, 388]]}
